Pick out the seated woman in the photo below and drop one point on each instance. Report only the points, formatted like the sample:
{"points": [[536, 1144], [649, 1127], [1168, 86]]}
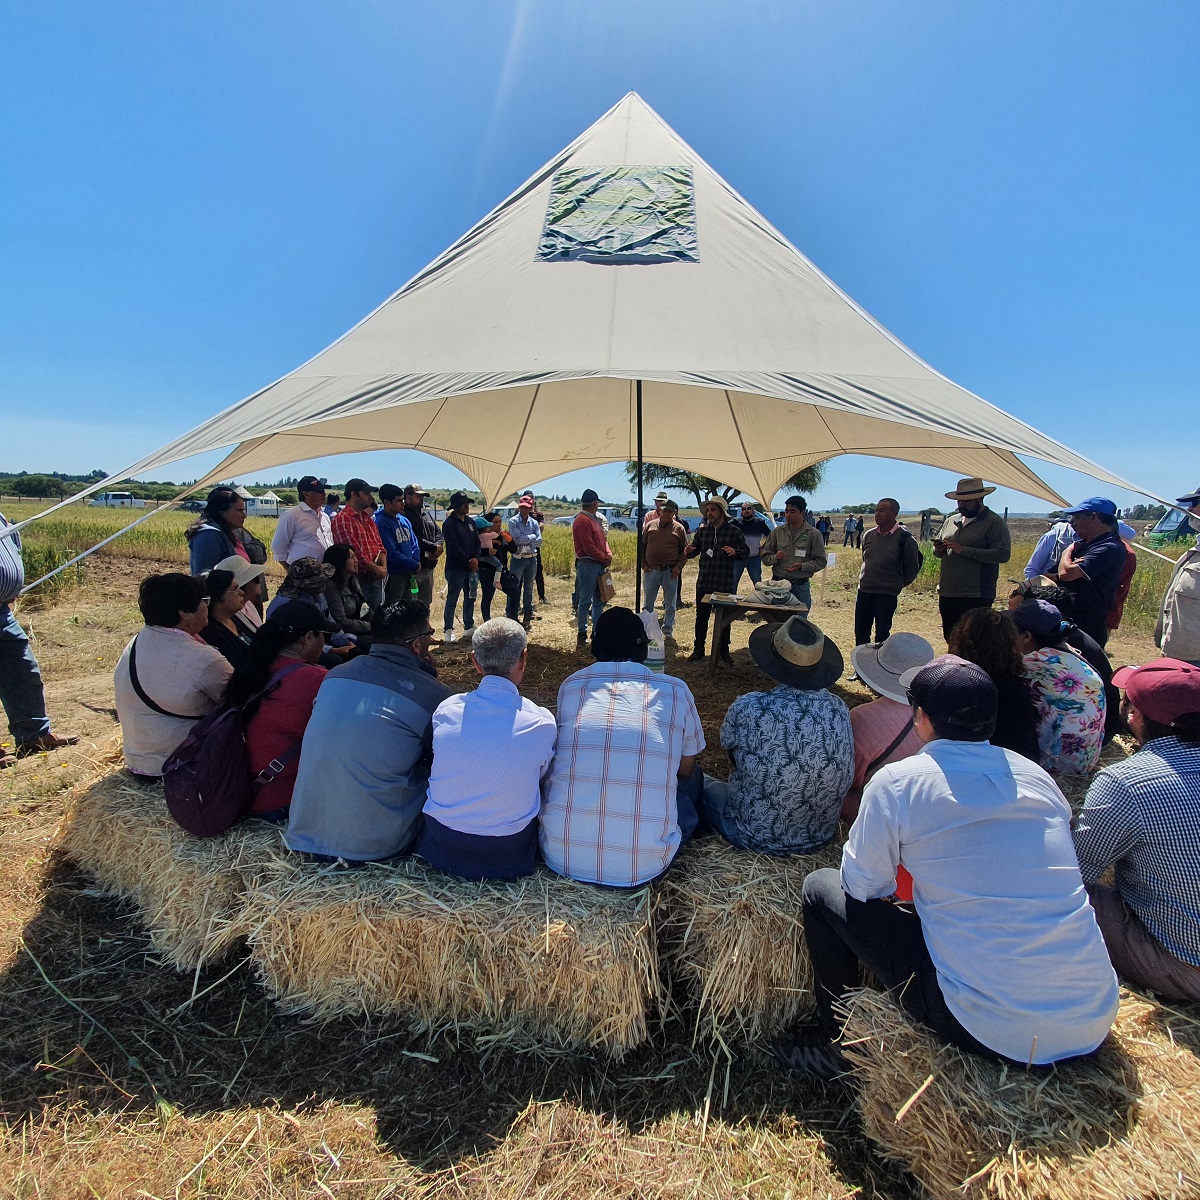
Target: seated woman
{"points": [[989, 640], [249, 577], [348, 607], [227, 631], [289, 643], [1067, 694], [167, 678]]}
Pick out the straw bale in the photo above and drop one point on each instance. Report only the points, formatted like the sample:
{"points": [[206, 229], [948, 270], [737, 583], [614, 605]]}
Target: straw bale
{"points": [[539, 962], [1123, 1125], [733, 933], [189, 891]]}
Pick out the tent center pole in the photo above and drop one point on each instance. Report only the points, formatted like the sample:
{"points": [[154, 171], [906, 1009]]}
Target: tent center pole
{"points": [[637, 586]]}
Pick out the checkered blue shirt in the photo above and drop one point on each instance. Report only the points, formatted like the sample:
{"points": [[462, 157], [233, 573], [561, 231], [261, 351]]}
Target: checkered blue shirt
{"points": [[12, 570], [609, 810], [1143, 815]]}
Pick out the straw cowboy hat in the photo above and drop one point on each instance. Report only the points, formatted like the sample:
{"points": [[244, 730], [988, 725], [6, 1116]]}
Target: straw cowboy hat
{"points": [[880, 667], [797, 653], [970, 489]]}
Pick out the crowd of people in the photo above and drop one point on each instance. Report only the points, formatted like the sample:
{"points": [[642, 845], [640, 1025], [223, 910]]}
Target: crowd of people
{"points": [[964, 884]]}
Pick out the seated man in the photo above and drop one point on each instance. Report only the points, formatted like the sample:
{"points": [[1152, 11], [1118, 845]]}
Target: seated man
{"points": [[364, 762], [883, 727], [999, 954], [1141, 817], [620, 797], [791, 751], [1067, 694], [490, 751]]}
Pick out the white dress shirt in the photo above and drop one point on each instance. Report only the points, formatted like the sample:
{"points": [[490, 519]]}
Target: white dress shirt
{"points": [[986, 835], [302, 533], [491, 748]]}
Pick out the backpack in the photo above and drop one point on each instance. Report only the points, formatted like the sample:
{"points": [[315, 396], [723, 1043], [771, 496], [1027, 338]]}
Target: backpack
{"points": [[207, 777]]}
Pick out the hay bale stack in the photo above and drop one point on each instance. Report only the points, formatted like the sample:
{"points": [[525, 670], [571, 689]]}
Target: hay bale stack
{"points": [[1124, 1124], [536, 962], [733, 933], [189, 891]]}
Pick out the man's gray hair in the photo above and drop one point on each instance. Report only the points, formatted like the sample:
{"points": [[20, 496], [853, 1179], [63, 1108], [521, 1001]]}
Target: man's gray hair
{"points": [[497, 645]]}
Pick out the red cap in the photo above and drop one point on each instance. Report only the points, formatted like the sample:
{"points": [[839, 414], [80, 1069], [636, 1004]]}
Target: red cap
{"points": [[1164, 690], [525, 501]]}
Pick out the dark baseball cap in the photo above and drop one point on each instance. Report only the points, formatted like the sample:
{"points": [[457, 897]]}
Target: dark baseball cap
{"points": [[358, 485], [310, 483], [459, 499], [298, 617], [1166, 690], [415, 489], [954, 693], [1039, 617], [589, 497]]}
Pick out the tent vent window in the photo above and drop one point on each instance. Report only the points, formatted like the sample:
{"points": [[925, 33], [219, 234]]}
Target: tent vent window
{"points": [[620, 215]]}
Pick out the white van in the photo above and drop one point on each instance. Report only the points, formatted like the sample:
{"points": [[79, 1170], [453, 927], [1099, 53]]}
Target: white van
{"points": [[116, 500]]}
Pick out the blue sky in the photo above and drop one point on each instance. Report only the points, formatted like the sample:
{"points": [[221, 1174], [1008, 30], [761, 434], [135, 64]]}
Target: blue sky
{"points": [[197, 198]]}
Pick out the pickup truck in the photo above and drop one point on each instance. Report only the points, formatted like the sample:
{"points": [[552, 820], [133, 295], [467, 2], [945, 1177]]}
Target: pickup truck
{"points": [[116, 500]]}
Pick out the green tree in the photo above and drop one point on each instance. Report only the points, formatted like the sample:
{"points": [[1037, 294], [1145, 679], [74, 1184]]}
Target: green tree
{"points": [[658, 475]]}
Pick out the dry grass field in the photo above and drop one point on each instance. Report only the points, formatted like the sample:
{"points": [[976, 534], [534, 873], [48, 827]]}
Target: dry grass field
{"points": [[124, 1078]]}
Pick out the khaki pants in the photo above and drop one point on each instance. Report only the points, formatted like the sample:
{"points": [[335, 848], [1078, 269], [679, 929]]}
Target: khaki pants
{"points": [[1135, 954]]}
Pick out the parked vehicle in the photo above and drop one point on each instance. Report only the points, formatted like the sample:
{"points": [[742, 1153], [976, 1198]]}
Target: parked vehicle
{"points": [[116, 500]]}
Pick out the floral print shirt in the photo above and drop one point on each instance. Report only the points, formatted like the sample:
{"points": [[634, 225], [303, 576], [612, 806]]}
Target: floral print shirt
{"points": [[793, 757], [1069, 698]]}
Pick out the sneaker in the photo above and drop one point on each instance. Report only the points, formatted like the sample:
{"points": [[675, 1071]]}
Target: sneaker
{"points": [[809, 1050], [48, 741], [581, 639], [468, 629], [448, 636]]}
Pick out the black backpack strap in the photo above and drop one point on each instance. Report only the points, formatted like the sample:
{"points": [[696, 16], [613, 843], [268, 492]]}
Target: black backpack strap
{"points": [[880, 759], [141, 692]]}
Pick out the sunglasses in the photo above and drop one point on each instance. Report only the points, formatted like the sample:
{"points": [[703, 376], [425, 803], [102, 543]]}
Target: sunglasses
{"points": [[417, 637]]}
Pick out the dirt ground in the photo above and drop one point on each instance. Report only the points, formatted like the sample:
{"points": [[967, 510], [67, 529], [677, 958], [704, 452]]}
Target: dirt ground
{"points": [[123, 1078]]}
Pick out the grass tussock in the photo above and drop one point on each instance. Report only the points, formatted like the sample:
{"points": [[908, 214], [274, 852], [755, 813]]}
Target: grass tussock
{"points": [[1123, 1125]]}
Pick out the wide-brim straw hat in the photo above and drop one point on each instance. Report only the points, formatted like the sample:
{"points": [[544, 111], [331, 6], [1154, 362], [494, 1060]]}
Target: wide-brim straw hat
{"points": [[970, 489], [797, 653], [881, 666]]}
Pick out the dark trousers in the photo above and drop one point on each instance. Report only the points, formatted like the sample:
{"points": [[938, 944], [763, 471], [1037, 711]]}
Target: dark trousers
{"points": [[540, 579], [873, 608], [953, 607], [398, 587], [843, 933], [703, 611], [487, 589]]}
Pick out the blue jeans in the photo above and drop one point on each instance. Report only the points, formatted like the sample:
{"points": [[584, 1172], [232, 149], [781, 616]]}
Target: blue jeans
{"points": [[587, 593], [21, 690], [713, 802], [688, 791], [752, 567], [802, 590], [660, 577], [525, 569], [458, 584], [372, 590]]}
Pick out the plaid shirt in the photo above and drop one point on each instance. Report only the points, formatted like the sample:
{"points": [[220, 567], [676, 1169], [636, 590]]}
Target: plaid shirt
{"points": [[608, 802], [352, 528], [1140, 815], [12, 569], [717, 567]]}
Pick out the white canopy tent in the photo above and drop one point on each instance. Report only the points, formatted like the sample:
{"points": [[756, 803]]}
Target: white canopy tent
{"points": [[514, 355]]}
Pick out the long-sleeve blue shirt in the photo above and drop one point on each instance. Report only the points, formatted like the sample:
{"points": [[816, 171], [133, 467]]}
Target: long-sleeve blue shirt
{"points": [[400, 543]]}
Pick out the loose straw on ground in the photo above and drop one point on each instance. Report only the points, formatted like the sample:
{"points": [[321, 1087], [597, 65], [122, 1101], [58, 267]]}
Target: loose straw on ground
{"points": [[733, 934], [1123, 1125]]}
